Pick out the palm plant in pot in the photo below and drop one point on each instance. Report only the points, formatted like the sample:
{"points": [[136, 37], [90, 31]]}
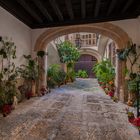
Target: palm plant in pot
{"points": [[30, 74], [8, 75]]}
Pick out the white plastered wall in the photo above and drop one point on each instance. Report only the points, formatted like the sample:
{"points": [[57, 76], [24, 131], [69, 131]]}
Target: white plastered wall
{"points": [[11, 27]]}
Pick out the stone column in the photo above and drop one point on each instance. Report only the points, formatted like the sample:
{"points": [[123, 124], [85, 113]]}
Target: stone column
{"points": [[118, 76], [123, 84], [42, 72]]}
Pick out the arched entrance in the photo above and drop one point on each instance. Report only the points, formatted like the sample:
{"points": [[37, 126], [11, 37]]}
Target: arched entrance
{"points": [[114, 32], [86, 62]]}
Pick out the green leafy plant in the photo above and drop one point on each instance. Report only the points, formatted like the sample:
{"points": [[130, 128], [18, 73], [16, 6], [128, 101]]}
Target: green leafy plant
{"points": [[29, 71], [55, 76], [132, 54], [68, 54], [82, 74], [104, 71], [8, 73]]}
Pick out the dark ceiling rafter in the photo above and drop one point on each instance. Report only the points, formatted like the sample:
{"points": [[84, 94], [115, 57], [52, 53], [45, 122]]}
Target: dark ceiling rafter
{"points": [[69, 9], [43, 9], [29, 9], [82, 21], [49, 13], [56, 9], [111, 6], [83, 8], [127, 5], [15, 13], [97, 8]]}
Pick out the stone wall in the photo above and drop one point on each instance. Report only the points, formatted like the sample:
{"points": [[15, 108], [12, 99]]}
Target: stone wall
{"points": [[52, 57]]}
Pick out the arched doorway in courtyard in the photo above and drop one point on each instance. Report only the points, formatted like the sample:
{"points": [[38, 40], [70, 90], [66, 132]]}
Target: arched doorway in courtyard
{"points": [[86, 62], [114, 32]]}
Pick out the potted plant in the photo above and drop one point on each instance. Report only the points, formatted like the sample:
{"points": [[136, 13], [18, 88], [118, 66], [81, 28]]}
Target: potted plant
{"points": [[55, 76], [82, 74], [132, 56], [8, 75], [30, 74]]}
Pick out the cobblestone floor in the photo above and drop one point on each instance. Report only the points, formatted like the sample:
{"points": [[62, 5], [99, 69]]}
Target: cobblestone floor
{"points": [[77, 111]]}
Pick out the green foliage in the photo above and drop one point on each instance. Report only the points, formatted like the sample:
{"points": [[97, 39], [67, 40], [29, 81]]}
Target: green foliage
{"points": [[104, 71], [132, 54], [8, 73], [132, 85], [82, 74], [68, 52], [30, 70], [55, 75], [130, 49]]}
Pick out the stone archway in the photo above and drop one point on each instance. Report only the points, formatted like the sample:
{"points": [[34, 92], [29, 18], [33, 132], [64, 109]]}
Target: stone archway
{"points": [[114, 32], [91, 52]]}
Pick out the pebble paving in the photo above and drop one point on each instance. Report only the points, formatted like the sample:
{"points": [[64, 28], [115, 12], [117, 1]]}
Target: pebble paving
{"points": [[76, 111]]}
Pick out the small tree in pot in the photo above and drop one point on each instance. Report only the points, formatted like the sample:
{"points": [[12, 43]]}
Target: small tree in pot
{"points": [[68, 54]]}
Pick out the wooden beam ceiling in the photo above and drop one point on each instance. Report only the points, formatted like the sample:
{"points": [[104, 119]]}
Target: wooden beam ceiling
{"points": [[111, 7], [97, 8], [83, 8], [127, 5], [43, 9], [20, 15], [29, 10], [56, 9], [69, 9], [51, 13]]}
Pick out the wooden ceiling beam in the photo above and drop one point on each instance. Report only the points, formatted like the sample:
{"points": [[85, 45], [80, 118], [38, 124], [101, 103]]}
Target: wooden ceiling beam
{"points": [[83, 8], [56, 9], [111, 7], [83, 21], [43, 9], [29, 10], [13, 7], [69, 9], [127, 5], [97, 8]]}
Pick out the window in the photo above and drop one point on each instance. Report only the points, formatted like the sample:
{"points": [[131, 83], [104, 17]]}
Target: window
{"points": [[89, 42]]}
